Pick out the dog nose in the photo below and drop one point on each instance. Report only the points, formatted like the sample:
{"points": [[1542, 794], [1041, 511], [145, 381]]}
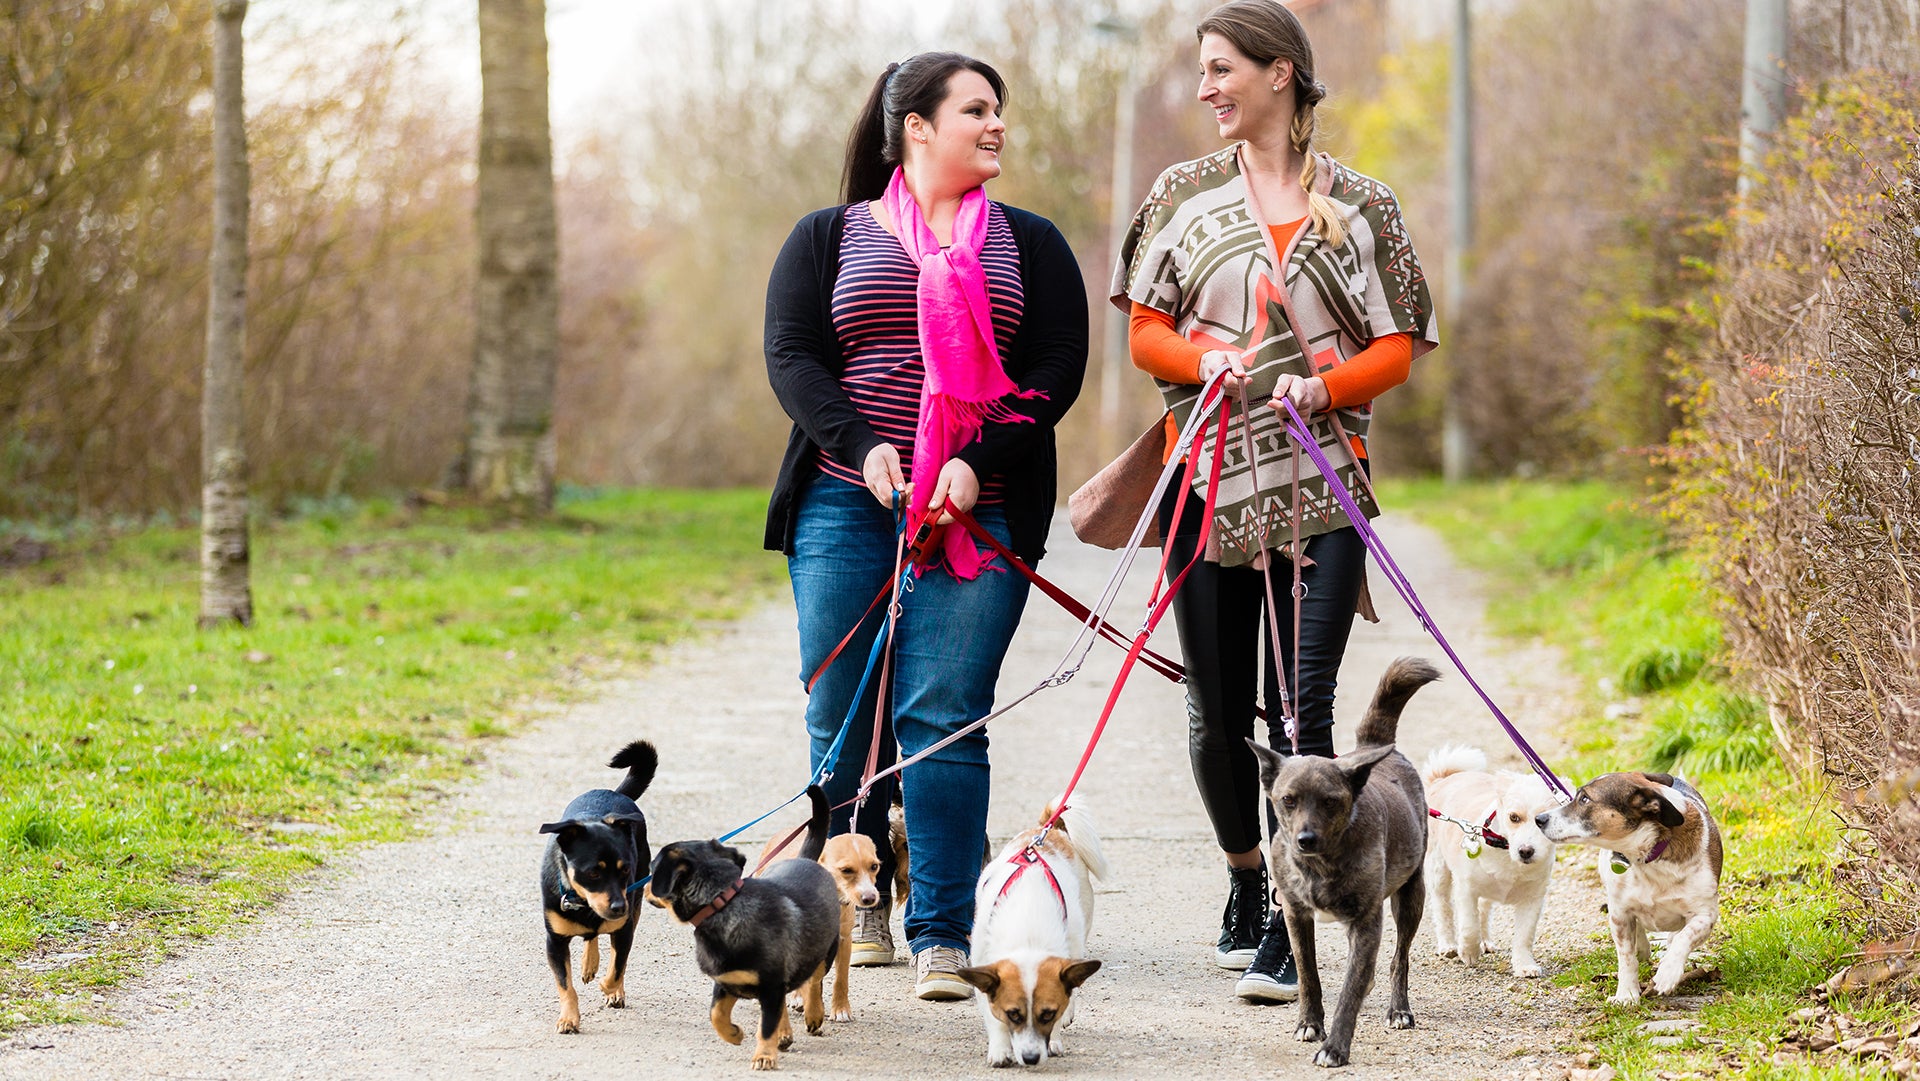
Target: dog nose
{"points": [[1307, 840], [1525, 852], [1031, 1058], [1540, 820]]}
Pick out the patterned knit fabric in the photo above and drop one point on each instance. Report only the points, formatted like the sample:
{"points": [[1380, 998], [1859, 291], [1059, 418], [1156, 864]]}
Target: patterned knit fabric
{"points": [[876, 319], [1199, 251]]}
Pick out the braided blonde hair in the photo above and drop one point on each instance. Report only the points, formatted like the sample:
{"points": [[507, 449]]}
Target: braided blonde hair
{"points": [[1266, 32]]}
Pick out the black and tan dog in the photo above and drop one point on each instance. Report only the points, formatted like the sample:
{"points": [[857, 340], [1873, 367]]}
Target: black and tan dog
{"points": [[1353, 834], [758, 938], [599, 846]]}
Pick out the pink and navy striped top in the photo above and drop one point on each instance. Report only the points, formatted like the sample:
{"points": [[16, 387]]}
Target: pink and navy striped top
{"points": [[877, 320]]}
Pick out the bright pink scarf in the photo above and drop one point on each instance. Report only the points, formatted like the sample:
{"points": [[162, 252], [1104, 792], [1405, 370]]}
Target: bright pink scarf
{"points": [[965, 383]]}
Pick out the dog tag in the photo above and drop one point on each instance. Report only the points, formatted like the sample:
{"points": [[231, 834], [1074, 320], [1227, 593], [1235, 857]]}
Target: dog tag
{"points": [[1619, 864], [1474, 847]]}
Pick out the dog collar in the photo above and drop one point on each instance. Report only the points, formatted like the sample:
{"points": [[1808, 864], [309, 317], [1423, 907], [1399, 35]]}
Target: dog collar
{"points": [[716, 904], [1494, 840], [1022, 860], [1656, 851], [1621, 862]]}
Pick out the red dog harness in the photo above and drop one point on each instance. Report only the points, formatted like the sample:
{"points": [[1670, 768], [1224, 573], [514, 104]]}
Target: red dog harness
{"points": [[1022, 860]]}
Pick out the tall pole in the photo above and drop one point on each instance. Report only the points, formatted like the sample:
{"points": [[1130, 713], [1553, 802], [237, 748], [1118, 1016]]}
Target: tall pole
{"points": [[1114, 369], [1456, 442], [1763, 83], [1114, 364]]}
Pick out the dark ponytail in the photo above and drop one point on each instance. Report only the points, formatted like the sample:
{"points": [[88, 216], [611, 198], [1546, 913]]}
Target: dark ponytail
{"points": [[917, 84]]}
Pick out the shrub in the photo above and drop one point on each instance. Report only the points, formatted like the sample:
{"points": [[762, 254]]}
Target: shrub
{"points": [[1798, 477]]}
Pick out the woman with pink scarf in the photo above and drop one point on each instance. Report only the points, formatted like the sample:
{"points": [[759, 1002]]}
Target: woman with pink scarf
{"points": [[925, 340]]}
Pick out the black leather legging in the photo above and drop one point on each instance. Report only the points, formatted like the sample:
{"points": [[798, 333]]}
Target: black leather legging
{"points": [[1220, 612]]}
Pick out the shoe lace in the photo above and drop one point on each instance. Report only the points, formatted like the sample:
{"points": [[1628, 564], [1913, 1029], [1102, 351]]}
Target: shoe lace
{"points": [[1246, 902], [1276, 952], [947, 959]]}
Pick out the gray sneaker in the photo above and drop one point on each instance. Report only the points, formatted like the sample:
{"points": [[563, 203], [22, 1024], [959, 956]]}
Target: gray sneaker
{"points": [[938, 971], [872, 936]]}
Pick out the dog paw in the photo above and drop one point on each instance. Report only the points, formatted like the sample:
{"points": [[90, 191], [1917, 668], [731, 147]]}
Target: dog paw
{"points": [[1000, 1059], [1625, 996], [1445, 951], [1330, 1057], [1529, 970], [1055, 1046], [1399, 1018], [786, 1041], [766, 1062], [1308, 1032], [843, 1015], [731, 1033], [568, 1025]]}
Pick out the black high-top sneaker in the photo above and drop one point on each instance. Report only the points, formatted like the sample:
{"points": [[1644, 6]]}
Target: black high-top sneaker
{"points": [[1244, 917], [1272, 977]]}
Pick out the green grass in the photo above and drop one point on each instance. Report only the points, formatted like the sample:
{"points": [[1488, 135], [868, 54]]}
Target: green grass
{"points": [[1583, 567], [158, 782]]}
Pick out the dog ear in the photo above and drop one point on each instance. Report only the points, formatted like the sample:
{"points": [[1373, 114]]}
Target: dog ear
{"points": [[616, 819], [1669, 804], [1076, 974], [738, 857], [1270, 763], [986, 979], [664, 881], [562, 828], [1358, 766]]}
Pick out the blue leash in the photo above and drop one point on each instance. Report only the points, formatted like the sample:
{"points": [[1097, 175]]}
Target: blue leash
{"points": [[832, 756]]}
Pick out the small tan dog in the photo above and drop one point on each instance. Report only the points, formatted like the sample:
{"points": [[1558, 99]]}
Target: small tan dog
{"points": [[853, 862], [1466, 877]]}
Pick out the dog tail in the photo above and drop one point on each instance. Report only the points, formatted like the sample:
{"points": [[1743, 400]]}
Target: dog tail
{"points": [[816, 841], [1452, 758], [639, 759], [1382, 722], [1078, 826]]}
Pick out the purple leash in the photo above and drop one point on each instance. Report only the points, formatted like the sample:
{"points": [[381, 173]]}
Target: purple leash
{"points": [[1297, 428]]}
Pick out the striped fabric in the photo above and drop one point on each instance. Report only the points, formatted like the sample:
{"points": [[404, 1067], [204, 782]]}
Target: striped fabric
{"points": [[877, 320]]}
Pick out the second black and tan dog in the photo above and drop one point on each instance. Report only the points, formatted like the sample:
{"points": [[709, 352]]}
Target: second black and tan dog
{"points": [[760, 937], [599, 845], [1353, 834]]}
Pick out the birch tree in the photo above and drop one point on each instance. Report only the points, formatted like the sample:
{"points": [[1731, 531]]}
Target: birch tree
{"points": [[226, 592], [509, 455]]}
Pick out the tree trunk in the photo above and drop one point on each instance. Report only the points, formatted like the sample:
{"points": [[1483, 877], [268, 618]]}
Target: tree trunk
{"points": [[226, 593], [510, 440]]}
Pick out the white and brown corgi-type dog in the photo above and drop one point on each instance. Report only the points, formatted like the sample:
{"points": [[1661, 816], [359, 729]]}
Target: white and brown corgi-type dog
{"points": [[1665, 870], [1507, 861], [1031, 913]]}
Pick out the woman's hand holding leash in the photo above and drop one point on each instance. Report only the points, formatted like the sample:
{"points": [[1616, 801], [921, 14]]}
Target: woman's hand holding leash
{"points": [[882, 473], [957, 488], [1309, 395], [1213, 360]]}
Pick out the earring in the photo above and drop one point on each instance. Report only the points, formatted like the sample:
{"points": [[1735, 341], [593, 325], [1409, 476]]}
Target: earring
{"points": [[1276, 88]]}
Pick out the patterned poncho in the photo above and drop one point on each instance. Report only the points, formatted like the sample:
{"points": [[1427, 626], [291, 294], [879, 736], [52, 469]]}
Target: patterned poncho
{"points": [[1200, 251]]}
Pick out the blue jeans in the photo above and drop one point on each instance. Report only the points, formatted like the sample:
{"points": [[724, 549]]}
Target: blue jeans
{"points": [[948, 645]]}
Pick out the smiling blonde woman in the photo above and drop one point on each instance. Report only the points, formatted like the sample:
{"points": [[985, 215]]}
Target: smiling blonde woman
{"points": [[1296, 275]]}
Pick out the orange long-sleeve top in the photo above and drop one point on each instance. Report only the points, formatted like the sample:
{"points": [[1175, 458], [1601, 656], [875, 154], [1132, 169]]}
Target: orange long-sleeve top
{"points": [[1161, 352]]}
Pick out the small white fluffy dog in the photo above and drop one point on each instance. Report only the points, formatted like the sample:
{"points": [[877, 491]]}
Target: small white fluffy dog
{"points": [[1031, 915], [1463, 889]]}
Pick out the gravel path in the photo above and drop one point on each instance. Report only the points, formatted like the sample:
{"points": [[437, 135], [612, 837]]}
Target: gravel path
{"points": [[424, 958]]}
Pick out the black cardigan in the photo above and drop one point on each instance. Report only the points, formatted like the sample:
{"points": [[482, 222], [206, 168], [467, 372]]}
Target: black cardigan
{"points": [[804, 365]]}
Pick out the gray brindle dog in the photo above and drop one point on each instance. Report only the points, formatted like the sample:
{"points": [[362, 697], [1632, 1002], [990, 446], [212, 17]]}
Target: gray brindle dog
{"points": [[1353, 834]]}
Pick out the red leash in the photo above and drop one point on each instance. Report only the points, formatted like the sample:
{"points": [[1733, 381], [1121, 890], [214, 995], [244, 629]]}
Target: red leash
{"points": [[1160, 601]]}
